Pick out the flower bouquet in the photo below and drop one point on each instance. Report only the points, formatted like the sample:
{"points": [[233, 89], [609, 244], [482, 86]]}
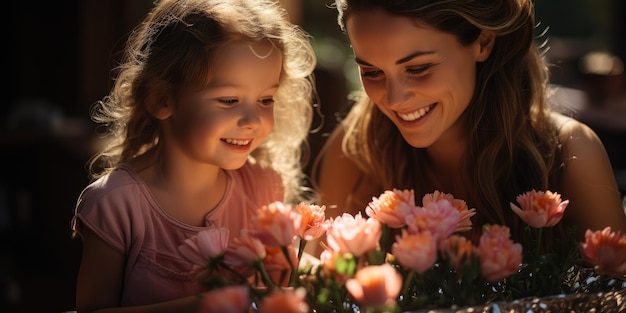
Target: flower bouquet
{"points": [[403, 257]]}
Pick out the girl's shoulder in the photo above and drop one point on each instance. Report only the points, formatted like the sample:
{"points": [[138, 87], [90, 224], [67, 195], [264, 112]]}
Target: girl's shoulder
{"points": [[112, 204], [121, 177]]}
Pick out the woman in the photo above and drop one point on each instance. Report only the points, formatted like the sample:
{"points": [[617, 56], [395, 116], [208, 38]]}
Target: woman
{"points": [[456, 101]]}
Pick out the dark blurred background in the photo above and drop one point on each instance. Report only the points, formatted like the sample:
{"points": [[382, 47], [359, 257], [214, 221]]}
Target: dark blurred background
{"points": [[59, 56]]}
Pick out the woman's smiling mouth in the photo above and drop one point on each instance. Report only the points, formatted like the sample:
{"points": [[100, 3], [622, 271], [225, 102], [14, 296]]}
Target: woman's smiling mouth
{"points": [[415, 115]]}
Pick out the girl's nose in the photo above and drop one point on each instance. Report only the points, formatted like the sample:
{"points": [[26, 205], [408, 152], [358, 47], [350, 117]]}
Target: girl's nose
{"points": [[250, 116]]}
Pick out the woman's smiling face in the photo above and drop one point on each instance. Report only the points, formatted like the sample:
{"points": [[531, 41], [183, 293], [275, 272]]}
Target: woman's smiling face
{"points": [[420, 78]]}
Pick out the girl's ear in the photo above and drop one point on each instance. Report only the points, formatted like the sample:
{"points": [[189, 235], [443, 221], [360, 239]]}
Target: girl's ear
{"points": [[486, 39], [159, 107]]}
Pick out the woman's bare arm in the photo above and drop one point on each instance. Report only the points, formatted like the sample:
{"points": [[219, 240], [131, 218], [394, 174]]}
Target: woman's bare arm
{"points": [[342, 186], [588, 180]]}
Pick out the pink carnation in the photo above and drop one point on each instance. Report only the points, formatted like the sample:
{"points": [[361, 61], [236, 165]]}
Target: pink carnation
{"points": [[499, 256], [313, 224], [465, 224], [606, 251], [392, 207], [415, 251], [353, 234], [375, 286], [276, 224], [540, 209]]}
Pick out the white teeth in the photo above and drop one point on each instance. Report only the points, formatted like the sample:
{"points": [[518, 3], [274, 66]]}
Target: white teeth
{"points": [[415, 114], [237, 142]]}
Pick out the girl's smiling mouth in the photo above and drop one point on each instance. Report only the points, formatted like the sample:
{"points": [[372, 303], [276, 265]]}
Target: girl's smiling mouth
{"points": [[237, 144]]}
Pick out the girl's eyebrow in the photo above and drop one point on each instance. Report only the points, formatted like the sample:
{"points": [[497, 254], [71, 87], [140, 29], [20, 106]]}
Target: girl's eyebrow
{"points": [[400, 61]]}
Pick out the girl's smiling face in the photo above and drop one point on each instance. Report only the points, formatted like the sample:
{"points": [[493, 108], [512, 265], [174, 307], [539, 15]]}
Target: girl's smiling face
{"points": [[420, 78], [224, 122]]}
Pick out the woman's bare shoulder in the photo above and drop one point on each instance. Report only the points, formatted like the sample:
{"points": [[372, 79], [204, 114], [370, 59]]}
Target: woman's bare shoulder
{"points": [[587, 179], [575, 136]]}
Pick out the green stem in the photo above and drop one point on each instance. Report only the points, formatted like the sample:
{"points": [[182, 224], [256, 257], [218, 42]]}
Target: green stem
{"points": [[266, 278], [407, 284], [237, 274], [538, 245], [301, 249], [294, 272]]}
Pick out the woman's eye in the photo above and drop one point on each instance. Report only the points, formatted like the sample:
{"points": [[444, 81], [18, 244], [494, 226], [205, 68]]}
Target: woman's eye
{"points": [[419, 70], [371, 73]]}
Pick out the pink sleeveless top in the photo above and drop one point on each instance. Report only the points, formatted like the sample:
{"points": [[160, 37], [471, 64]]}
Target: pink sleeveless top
{"points": [[120, 209]]}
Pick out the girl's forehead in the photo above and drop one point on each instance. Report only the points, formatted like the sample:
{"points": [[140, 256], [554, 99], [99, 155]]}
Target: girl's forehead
{"points": [[248, 50]]}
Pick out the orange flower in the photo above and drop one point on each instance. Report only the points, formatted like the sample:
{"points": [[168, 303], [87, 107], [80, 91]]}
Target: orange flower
{"points": [[458, 250], [540, 209], [231, 299], [465, 224], [313, 224], [353, 234], [285, 301], [606, 251], [276, 224], [392, 207], [499, 256], [415, 251], [375, 286]]}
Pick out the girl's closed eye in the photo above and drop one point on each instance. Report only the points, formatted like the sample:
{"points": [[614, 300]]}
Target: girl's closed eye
{"points": [[266, 102], [228, 101]]}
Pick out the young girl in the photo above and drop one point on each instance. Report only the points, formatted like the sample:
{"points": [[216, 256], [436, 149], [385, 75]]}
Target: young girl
{"points": [[456, 101], [210, 110]]}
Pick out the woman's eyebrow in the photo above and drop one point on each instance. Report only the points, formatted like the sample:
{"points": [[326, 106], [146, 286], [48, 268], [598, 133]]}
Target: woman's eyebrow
{"points": [[400, 61], [412, 56]]}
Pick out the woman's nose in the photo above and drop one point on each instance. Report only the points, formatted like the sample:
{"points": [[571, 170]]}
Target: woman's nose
{"points": [[397, 92]]}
